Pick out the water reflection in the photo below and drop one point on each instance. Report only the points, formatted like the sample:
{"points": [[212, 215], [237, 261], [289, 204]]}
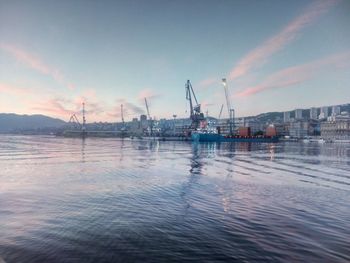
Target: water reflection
{"points": [[108, 200], [83, 143]]}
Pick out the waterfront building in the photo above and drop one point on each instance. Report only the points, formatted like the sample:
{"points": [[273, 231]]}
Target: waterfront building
{"points": [[298, 114], [282, 129], [144, 122], [181, 125], [313, 113], [303, 128], [299, 129], [286, 116], [339, 129]]}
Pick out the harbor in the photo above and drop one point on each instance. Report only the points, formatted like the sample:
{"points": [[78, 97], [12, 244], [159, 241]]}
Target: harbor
{"points": [[325, 127], [198, 128]]}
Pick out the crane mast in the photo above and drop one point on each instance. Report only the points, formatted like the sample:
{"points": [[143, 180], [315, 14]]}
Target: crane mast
{"points": [[231, 111], [84, 119], [149, 117]]}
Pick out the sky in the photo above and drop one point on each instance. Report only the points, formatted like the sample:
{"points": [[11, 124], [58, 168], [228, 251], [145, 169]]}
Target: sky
{"points": [[276, 56]]}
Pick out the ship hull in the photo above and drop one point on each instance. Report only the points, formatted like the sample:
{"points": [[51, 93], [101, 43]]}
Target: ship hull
{"points": [[207, 137]]}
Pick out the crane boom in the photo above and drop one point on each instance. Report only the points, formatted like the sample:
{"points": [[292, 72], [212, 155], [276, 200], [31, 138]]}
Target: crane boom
{"points": [[149, 117], [231, 111], [222, 107], [122, 113]]}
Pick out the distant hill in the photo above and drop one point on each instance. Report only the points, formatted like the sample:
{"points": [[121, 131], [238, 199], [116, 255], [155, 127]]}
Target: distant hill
{"points": [[14, 123]]}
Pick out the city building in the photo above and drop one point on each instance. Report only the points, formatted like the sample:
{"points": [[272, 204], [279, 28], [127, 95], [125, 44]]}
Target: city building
{"points": [[303, 128], [282, 129], [313, 113], [298, 114], [286, 116], [335, 110], [299, 129], [339, 129]]}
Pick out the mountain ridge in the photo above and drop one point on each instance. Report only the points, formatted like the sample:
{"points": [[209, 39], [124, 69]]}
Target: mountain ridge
{"points": [[12, 122]]}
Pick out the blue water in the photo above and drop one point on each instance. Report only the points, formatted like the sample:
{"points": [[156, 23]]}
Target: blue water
{"points": [[108, 200]]}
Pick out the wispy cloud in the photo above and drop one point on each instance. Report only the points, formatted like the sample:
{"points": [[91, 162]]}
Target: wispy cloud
{"points": [[129, 108], [57, 106], [207, 82], [14, 90], [37, 64], [260, 55], [148, 93], [93, 105], [63, 106], [298, 74]]}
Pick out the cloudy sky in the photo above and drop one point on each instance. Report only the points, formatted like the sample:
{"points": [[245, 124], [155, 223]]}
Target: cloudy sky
{"points": [[276, 55]]}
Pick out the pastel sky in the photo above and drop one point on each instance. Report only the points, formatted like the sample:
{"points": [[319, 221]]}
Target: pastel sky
{"points": [[276, 55]]}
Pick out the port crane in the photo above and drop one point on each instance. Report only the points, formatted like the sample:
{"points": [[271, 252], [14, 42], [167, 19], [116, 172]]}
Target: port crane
{"points": [[83, 127], [122, 116], [150, 119], [195, 110], [231, 111], [73, 121]]}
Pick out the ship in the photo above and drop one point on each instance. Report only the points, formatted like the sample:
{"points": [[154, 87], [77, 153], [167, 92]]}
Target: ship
{"points": [[200, 136]]}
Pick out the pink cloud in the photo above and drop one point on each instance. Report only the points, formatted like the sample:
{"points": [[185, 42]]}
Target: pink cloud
{"points": [[36, 63], [64, 107], [259, 55], [148, 93], [298, 74], [130, 109], [207, 82], [55, 106], [14, 90]]}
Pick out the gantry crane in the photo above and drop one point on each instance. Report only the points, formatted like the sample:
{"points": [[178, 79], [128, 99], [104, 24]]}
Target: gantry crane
{"points": [[195, 110]]}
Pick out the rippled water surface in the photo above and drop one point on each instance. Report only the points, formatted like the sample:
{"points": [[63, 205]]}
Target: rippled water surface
{"points": [[108, 200]]}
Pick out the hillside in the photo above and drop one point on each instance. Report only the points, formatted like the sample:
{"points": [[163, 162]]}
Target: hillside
{"points": [[10, 122]]}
